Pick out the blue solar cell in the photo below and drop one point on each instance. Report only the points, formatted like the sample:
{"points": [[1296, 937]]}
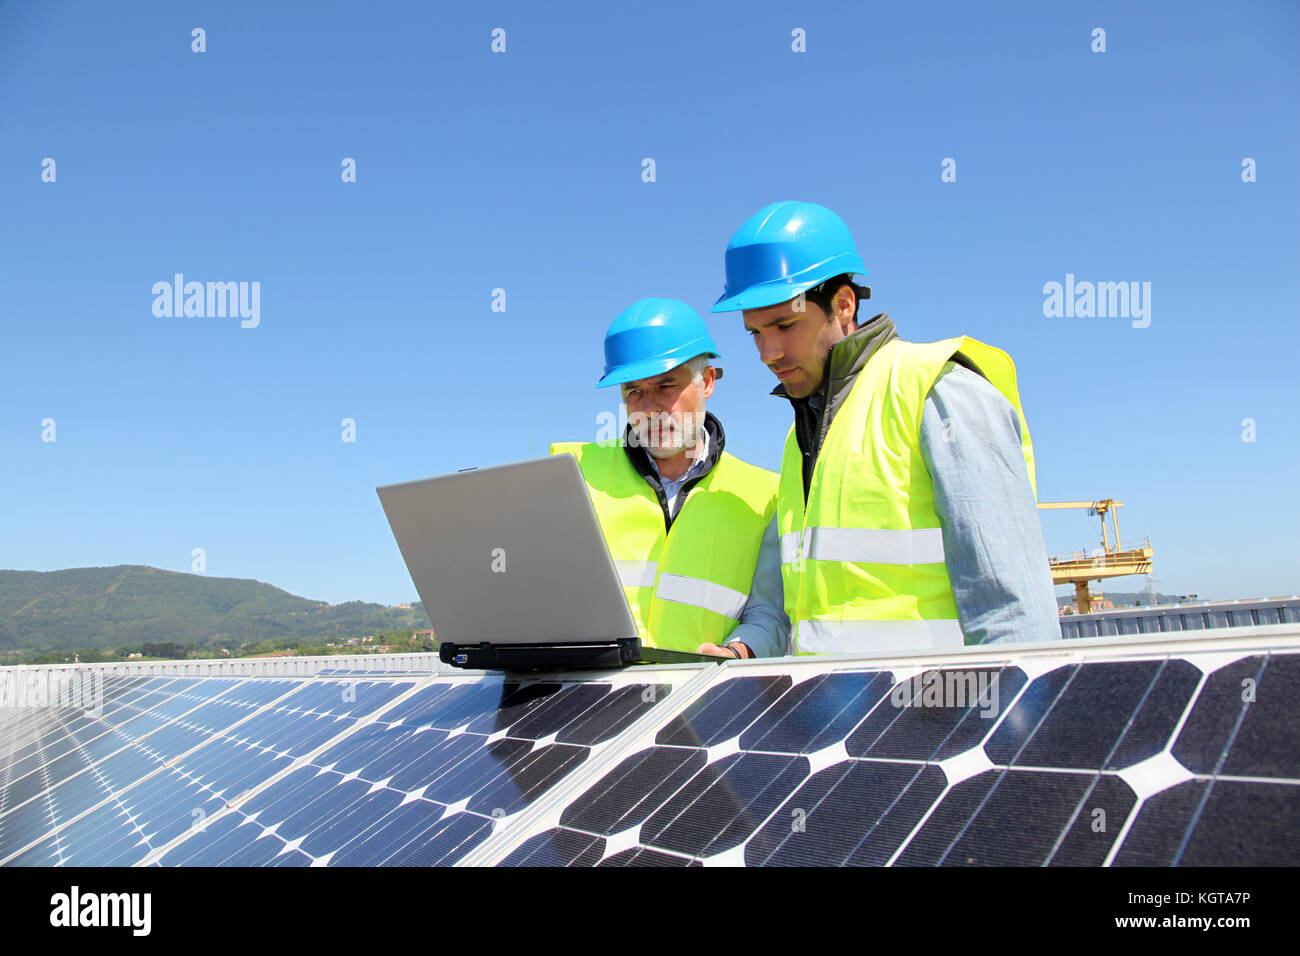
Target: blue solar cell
{"points": [[23, 825], [816, 713], [364, 745], [344, 827], [292, 858], [410, 751], [33, 784], [445, 842], [258, 853], [558, 847], [226, 845], [242, 775], [260, 801], [336, 798], [376, 844], [44, 854], [417, 704], [205, 835], [475, 765], [517, 784]]}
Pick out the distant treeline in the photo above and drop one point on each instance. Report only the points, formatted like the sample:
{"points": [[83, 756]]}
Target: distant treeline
{"points": [[133, 610]]}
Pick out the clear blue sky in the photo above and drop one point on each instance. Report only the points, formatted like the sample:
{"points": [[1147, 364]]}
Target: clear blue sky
{"points": [[522, 170]]}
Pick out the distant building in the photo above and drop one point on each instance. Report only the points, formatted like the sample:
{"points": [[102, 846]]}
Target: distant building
{"points": [[1099, 603]]}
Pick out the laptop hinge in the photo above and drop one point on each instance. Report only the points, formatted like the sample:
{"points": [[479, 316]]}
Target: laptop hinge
{"points": [[562, 657]]}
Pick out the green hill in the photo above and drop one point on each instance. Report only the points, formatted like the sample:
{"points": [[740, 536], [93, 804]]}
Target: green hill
{"points": [[133, 605]]}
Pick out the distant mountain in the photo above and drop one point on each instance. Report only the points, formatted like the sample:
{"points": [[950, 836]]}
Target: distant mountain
{"points": [[134, 604]]}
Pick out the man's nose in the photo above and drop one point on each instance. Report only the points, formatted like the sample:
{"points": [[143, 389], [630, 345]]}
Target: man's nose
{"points": [[768, 350]]}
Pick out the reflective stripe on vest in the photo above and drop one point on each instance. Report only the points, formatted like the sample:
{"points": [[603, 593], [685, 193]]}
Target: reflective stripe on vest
{"points": [[697, 592], [689, 586], [637, 574], [863, 564], [867, 637]]}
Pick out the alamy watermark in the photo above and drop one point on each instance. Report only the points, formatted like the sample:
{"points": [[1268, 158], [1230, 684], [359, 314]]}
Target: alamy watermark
{"points": [[1102, 300], [76, 908], [950, 688], [70, 689], [212, 300]]}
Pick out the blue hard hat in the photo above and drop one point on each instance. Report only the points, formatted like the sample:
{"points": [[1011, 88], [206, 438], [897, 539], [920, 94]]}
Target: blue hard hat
{"points": [[651, 337], [782, 250]]}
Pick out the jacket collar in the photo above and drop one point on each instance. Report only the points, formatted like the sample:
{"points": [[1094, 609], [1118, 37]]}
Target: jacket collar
{"points": [[847, 358]]}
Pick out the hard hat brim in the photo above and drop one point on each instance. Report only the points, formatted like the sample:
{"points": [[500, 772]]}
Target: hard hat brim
{"points": [[648, 367], [784, 288], [761, 296]]}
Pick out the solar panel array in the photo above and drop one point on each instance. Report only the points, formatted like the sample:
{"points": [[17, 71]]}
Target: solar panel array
{"points": [[1093, 753]]}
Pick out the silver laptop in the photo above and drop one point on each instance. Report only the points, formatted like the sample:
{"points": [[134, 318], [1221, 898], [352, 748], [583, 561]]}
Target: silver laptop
{"points": [[513, 569]]}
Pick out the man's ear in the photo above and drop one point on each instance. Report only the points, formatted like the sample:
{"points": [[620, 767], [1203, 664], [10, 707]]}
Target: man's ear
{"points": [[845, 307], [710, 380]]}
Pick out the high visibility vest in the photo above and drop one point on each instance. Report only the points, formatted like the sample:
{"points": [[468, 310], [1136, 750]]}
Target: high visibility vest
{"points": [[862, 563], [689, 585]]}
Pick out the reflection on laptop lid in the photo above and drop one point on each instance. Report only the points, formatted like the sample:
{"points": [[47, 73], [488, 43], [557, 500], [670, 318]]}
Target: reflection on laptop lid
{"points": [[513, 570]]}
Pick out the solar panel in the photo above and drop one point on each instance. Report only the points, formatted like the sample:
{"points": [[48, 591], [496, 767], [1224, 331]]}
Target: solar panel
{"points": [[64, 761], [137, 785], [1096, 752], [431, 777], [1153, 754]]}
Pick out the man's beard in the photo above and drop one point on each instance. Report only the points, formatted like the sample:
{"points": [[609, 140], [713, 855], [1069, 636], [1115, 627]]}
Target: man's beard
{"points": [[676, 433]]}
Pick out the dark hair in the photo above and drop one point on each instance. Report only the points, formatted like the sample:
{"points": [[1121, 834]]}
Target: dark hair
{"points": [[823, 294]]}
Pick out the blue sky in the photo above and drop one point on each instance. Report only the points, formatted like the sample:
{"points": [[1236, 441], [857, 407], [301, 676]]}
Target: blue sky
{"points": [[522, 170]]}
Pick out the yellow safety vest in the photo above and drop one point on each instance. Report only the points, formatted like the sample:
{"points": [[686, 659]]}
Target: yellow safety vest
{"points": [[689, 585], [863, 563]]}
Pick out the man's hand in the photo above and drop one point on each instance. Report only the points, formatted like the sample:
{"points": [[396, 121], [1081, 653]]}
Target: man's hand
{"points": [[735, 649]]}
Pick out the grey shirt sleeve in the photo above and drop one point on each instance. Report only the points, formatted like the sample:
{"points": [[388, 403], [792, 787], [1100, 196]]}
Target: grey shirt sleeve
{"points": [[992, 537], [764, 626]]}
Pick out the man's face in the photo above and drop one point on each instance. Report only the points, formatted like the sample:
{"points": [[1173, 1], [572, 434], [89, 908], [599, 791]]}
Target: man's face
{"points": [[794, 344], [666, 411]]}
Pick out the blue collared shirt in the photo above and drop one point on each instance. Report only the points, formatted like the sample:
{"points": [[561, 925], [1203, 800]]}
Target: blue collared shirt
{"points": [[992, 536], [674, 486]]}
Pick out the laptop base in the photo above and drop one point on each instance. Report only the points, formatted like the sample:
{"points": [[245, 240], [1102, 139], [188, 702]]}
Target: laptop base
{"points": [[563, 657]]}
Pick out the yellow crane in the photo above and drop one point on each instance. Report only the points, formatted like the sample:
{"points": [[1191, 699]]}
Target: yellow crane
{"points": [[1079, 568]]}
